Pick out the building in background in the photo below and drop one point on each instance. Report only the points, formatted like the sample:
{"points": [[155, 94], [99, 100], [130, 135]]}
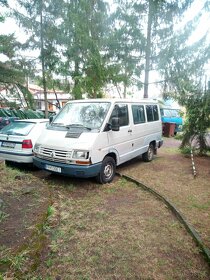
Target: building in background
{"points": [[13, 97], [56, 99]]}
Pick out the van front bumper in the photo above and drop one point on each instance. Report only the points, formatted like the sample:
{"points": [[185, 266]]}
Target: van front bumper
{"points": [[72, 170]]}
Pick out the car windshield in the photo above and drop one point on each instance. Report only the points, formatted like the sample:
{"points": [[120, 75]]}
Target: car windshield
{"points": [[87, 115], [17, 128]]}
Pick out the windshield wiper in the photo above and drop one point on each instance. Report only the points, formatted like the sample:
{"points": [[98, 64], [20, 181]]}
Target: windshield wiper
{"points": [[57, 124], [76, 125]]}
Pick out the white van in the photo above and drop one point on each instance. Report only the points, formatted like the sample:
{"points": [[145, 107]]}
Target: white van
{"points": [[89, 138]]}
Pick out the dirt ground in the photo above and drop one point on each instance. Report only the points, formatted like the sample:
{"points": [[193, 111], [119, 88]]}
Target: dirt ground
{"points": [[48, 221]]}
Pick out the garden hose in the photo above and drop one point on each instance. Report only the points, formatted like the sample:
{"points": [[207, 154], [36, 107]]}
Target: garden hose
{"points": [[205, 250]]}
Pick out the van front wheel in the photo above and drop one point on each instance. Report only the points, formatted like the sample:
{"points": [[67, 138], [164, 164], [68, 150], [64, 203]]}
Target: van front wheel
{"points": [[107, 171], [148, 156]]}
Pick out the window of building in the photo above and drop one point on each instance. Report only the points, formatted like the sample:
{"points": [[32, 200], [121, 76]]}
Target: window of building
{"points": [[50, 107], [39, 105]]}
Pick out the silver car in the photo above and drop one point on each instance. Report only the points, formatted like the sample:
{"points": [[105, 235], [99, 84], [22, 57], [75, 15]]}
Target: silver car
{"points": [[18, 138]]}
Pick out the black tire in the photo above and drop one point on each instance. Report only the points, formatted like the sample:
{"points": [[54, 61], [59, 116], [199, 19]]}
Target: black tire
{"points": [[9, 163], [148, 156], [107, 171]]}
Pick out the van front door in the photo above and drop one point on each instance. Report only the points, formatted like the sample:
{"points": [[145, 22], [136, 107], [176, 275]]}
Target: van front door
{"points": [[121, 140]]}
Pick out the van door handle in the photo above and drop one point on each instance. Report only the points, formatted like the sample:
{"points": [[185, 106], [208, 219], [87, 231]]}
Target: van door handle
{"points": [[130, 130]]}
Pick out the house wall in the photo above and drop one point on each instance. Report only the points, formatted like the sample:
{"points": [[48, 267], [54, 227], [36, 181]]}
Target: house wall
{"points": [[40, 104]]}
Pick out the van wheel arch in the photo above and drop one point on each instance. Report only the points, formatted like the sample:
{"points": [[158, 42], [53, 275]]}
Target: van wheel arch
{"points": [[108, 169], [149, 154]]}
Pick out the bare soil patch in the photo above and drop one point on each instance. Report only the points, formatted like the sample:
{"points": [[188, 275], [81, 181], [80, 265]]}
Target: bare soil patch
{"points": [[24, 201]]}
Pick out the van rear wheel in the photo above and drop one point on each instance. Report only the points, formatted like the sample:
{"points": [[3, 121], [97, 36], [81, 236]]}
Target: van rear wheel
{"points": [[107, 171], [148, 156]]}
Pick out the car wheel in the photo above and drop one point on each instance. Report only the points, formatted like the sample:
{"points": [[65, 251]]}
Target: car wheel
{"points": [[148, 156], [107, 171]]}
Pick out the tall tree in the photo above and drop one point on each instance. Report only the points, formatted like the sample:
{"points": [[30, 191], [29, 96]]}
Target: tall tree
{"points": [[83, 32], [126, 44], [38, 18], [161, 18], [183, 69], [8, 70], [183, 62], [12, 70]]}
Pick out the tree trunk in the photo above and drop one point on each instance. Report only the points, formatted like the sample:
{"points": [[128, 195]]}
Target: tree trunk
{"points": [[148, 50], [124, 90], [76, 89], [43, 60]]}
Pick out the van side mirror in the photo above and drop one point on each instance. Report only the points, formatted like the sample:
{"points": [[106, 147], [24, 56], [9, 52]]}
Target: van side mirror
{"points": [[115, 125]]}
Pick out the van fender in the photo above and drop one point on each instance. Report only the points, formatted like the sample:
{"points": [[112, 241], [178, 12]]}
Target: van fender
{"points": [[115, 152], [148, 140], [151, 139]]}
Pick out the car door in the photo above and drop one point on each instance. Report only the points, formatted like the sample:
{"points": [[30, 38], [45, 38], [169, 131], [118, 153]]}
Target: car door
{"points": [[139, 129], [121, 141]]}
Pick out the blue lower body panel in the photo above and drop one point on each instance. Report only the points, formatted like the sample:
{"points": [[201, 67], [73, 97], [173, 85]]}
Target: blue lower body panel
{"points": [[72, 170]]}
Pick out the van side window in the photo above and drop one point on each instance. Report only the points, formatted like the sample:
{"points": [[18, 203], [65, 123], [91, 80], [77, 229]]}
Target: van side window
{"points": [[152, 113], [138, 114], [155, 113], [120, 111]]}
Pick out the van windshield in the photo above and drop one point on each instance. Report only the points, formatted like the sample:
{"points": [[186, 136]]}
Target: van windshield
{"points": [[170, 113], [89, 115]]}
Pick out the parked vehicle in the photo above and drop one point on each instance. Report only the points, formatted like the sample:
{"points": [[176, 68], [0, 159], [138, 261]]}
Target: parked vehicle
{"points": [[89, 138], [6, 120], [170, 115], [17, 139]]}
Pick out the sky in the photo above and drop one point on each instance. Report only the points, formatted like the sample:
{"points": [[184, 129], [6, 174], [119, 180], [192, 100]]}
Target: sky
{"points": [[10, 26]]}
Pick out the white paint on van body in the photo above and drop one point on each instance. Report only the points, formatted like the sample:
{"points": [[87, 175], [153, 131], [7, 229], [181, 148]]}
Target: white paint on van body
{"points": [[130, 141]]}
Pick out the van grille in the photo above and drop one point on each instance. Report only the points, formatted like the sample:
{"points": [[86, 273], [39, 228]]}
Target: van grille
{"points": [[54, 155]]}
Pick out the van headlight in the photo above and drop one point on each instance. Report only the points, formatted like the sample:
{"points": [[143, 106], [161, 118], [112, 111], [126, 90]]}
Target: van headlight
{"points": [[36, 148], [79, 154]]}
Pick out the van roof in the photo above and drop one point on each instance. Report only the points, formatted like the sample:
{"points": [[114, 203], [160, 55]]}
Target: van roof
{"points": [[115, 100]]}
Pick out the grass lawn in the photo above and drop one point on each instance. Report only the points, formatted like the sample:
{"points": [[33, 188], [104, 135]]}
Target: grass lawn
{"points": [[114, 231]]}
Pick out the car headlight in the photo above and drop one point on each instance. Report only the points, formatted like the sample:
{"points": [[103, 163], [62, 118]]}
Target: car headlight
{"points": [[36, 148], [78, 154]]}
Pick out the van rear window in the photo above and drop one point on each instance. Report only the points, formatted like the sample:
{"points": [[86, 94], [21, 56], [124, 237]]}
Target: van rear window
{"points": [[152, 113]]}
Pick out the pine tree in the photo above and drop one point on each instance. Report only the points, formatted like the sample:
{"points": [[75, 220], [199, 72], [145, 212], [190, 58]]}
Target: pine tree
{"points": [[38, 20], [12, 74], [83, 31], [126, 44]]}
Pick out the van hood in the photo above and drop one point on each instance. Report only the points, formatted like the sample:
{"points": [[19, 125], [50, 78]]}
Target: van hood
{"points": [[61, 140]]}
